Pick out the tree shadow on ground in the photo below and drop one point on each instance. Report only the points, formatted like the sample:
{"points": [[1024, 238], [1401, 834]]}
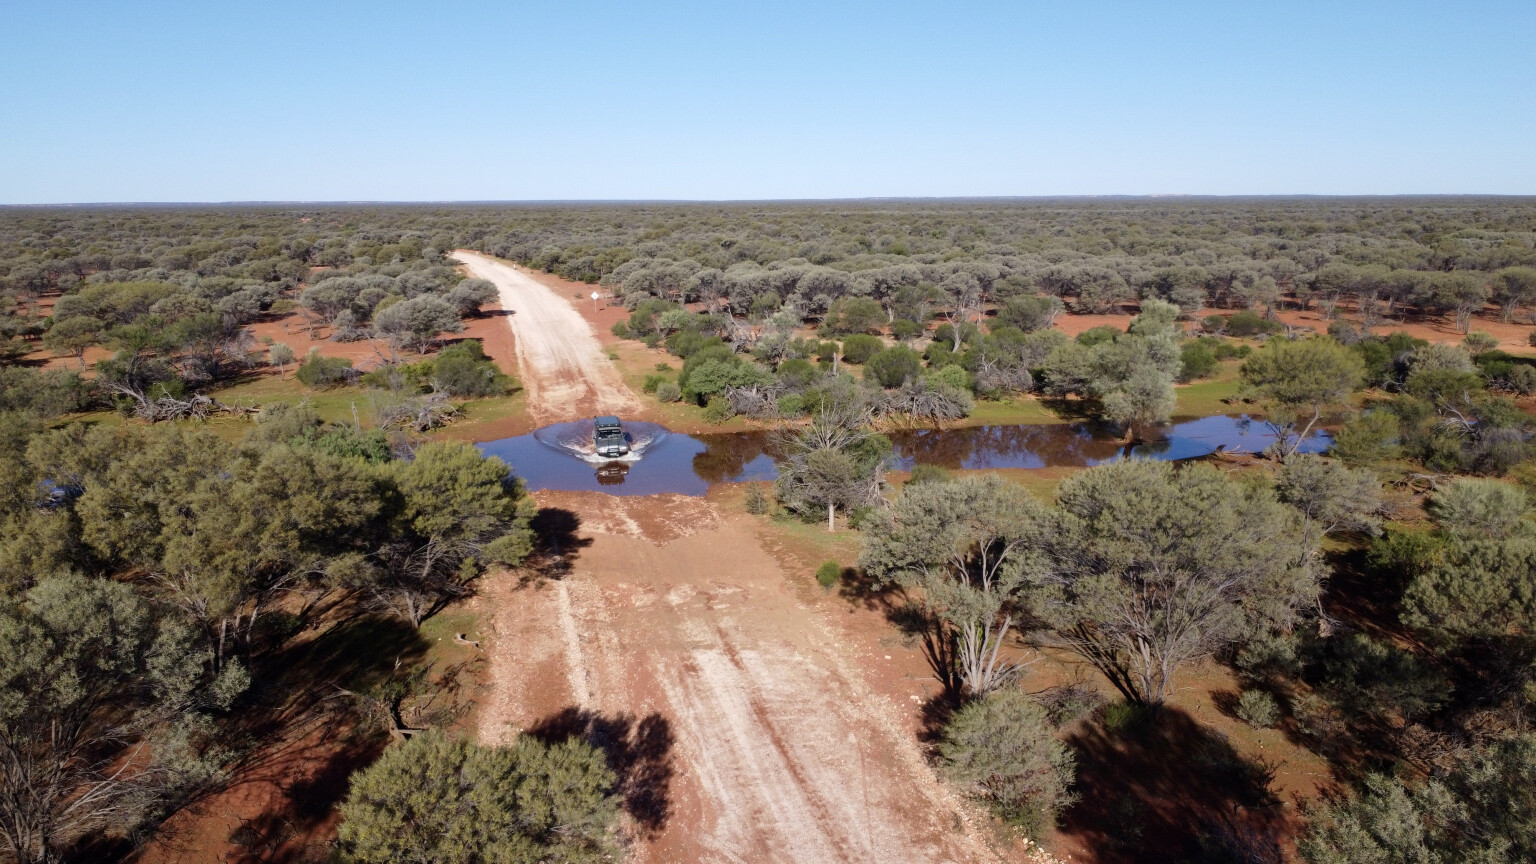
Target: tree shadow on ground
{"points": [[307, 737], [1070, 409], [556, 543], [1169, 789], [938, 647], [860, 590], [639, 752]]}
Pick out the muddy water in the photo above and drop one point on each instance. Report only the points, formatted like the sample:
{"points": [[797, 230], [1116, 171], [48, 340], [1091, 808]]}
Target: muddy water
{"points": [[561, 456]]}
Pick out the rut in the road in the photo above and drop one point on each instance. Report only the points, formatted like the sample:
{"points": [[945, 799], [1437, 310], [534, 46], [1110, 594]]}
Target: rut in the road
{"points": [[782, 752]]}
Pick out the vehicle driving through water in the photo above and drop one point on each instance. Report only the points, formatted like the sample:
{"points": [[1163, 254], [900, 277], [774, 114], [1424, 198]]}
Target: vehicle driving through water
{"points": [[609, 438]]}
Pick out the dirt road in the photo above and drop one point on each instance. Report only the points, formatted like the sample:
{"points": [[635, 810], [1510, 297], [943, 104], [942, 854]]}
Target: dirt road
{"points": [[749, 733], [559, 358]]}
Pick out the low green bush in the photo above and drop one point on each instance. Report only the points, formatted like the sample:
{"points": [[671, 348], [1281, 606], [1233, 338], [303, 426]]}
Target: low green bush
{"points": [[926, 473], [1258, 709], [717, 411], [1197, 360], [860, 347], [895, 365], [318, 373], [828, 574], [906, 330], [1125, 716], [1246, 323]]}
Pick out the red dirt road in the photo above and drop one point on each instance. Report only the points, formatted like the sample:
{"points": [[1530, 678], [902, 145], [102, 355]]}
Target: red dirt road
{"points": [[769, 743], [558, 356]]}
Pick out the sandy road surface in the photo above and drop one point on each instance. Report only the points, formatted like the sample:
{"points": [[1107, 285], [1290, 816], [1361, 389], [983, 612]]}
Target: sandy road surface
{"points": [[677, 629], [559, 358]]}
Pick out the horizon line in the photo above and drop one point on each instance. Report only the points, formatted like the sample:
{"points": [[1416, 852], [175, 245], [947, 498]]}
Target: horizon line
{"points": [[681, 201]]}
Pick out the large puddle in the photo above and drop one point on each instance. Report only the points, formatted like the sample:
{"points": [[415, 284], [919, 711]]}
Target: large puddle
{"points": [[561, 456]]}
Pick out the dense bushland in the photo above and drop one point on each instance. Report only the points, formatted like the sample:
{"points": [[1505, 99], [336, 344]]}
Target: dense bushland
{"points": [[146, 573]]}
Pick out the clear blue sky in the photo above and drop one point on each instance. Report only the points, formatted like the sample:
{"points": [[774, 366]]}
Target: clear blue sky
{"points": [[320, 100]]}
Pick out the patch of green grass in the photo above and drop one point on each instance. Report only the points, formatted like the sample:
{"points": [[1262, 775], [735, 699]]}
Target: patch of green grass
{"points": [[438, 632], [332, 405], [1204, 397], [1021, 409]]}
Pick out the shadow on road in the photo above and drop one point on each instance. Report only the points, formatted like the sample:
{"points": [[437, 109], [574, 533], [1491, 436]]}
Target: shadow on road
{"points": [[639, 751]]}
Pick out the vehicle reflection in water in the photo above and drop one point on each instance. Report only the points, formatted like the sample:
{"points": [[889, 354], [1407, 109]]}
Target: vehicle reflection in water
{"points": [[611, 473], [559, 457]]}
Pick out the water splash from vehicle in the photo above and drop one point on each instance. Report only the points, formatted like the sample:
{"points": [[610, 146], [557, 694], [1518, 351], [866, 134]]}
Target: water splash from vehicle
{"points": [[575, 439]]}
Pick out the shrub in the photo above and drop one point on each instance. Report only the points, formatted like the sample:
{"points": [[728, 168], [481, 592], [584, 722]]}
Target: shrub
{"points": [[436, 798], [946, 333], [1098, 335], [796, 373], [1370, 439], [1213, 323], [926, 473], [757, 500], [895, 365], [1478, 342], [1521, 379], [1344, 332], [952, 376], [717, 411], [652, 382], [828, 574], [620, 329], [938, 355], [906, 330], [1258, 709], [1125, 716], [663, 367], [860, 347], [1029, 313], [463, 370], [318, 372], [852, 315], [1246, 323], [684, 343], [1004, 748], [791, 405], [668, 391], [1197, 360]]}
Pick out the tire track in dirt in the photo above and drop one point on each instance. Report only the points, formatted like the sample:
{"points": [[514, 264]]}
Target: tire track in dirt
{"points": [[783, 754], [559, 358]]}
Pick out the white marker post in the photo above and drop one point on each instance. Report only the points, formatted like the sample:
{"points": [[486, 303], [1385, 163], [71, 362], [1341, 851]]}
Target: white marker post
{"points": [[595, 295]]}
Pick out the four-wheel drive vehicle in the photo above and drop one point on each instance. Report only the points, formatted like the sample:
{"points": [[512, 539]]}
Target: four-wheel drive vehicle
{"points": [[608, 436]]}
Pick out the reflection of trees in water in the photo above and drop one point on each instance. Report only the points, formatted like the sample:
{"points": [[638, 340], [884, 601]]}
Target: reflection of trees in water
{"points": [[1152, 449], [726, 457], [1032, 446]]}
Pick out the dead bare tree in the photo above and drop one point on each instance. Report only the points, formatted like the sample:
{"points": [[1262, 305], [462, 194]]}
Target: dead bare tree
{"points": [[194, 407]]}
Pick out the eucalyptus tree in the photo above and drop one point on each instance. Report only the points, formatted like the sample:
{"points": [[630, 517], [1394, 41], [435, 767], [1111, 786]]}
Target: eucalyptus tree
{"points": [[1151, 567], [1329, 498], [416, 323], [1514, 287], [100, 695], [971, 546], [836, 460], [1299, 383]]}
